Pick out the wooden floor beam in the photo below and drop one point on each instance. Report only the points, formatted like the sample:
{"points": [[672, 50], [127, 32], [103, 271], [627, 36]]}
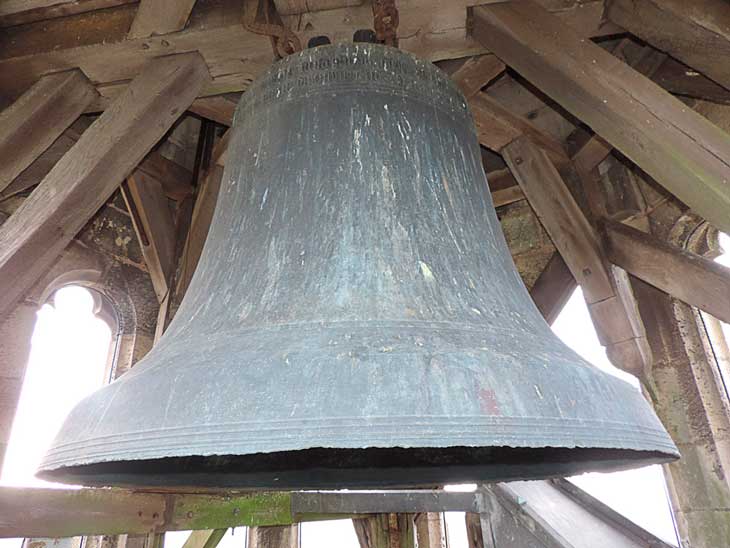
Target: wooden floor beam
{"points": [[679, 148], [88, 174], [39, 116]]}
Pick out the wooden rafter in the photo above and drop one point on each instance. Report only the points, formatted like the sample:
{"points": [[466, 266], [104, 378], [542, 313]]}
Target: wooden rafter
{"points": [[432, 29], [680, 149], [696, 32], [80, 183], [155, 227], [21, 12], [38, 118], [476, 73]]}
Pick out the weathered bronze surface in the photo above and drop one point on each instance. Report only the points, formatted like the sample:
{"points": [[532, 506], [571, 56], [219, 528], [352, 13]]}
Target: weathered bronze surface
{"points": [[356, 318]]}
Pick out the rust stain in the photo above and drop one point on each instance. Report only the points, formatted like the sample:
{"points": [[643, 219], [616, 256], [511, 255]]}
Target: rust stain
{"points": [[488, 401]]}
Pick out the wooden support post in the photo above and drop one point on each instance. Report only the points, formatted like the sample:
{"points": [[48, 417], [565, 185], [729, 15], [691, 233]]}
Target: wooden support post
{"points": [[386, 531], [160, 17], [88, 174], [697, 32], [691, 278], [286, 536], [680, 149], [155, 228], [430, 531], [604, 289], [31, 124]]}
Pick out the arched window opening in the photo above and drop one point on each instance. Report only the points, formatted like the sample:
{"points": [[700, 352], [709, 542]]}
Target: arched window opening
{"points": [[718, 332], [70, 357], [641, 494]]}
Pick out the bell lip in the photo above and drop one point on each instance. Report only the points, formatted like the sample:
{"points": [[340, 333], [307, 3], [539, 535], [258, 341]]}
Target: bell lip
{"points": [[630, 446], [238, 473]]}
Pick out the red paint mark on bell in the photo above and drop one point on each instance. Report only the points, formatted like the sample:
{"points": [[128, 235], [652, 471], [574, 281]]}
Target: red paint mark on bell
{"points": [[488, 401]]}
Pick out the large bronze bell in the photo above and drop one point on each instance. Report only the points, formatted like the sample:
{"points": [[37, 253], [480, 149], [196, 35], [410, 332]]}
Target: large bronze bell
{"points": [[356, 318]]}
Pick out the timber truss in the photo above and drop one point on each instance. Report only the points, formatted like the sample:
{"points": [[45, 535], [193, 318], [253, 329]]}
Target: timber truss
{"points": [[609, 119]]}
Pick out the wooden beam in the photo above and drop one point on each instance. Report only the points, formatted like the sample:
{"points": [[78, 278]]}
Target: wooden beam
{"points": [[430, 530], [155, 228], [155, 17], [34, 173], [33, 122], [175, 179], [497, 127], [697, 32], [553, 288], [431, 29], [689, 277], [476, 73], [21, 12], [88, 174], [680, 149], [679, 79], [283, 536], [199, 225], [206, 538], [606, 294], [218, 108], [596, 149], [563, 220], [33, 512]]}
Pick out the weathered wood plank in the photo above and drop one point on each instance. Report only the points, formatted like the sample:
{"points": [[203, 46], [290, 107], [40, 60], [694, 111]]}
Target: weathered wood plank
{"points": [[20, 12], [75, 512], [199, 226], [696, 32], [286, 536], [689, 277], [553, 288], [476, 73], [679, 148], [86, 176], [33, 122], [432, 29], [175, 179], [604, 290], [560, 215], [35, 172], [160, 17], [680, 79], [497, 127], [218, 108], [155, 228]]}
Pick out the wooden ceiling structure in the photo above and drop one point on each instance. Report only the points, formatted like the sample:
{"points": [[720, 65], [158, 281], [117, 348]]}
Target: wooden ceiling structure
{"points": [[90, 88]]}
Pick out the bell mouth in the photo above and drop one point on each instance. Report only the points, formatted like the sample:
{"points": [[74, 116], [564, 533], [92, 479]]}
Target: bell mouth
{"points": [[326, 468]]}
